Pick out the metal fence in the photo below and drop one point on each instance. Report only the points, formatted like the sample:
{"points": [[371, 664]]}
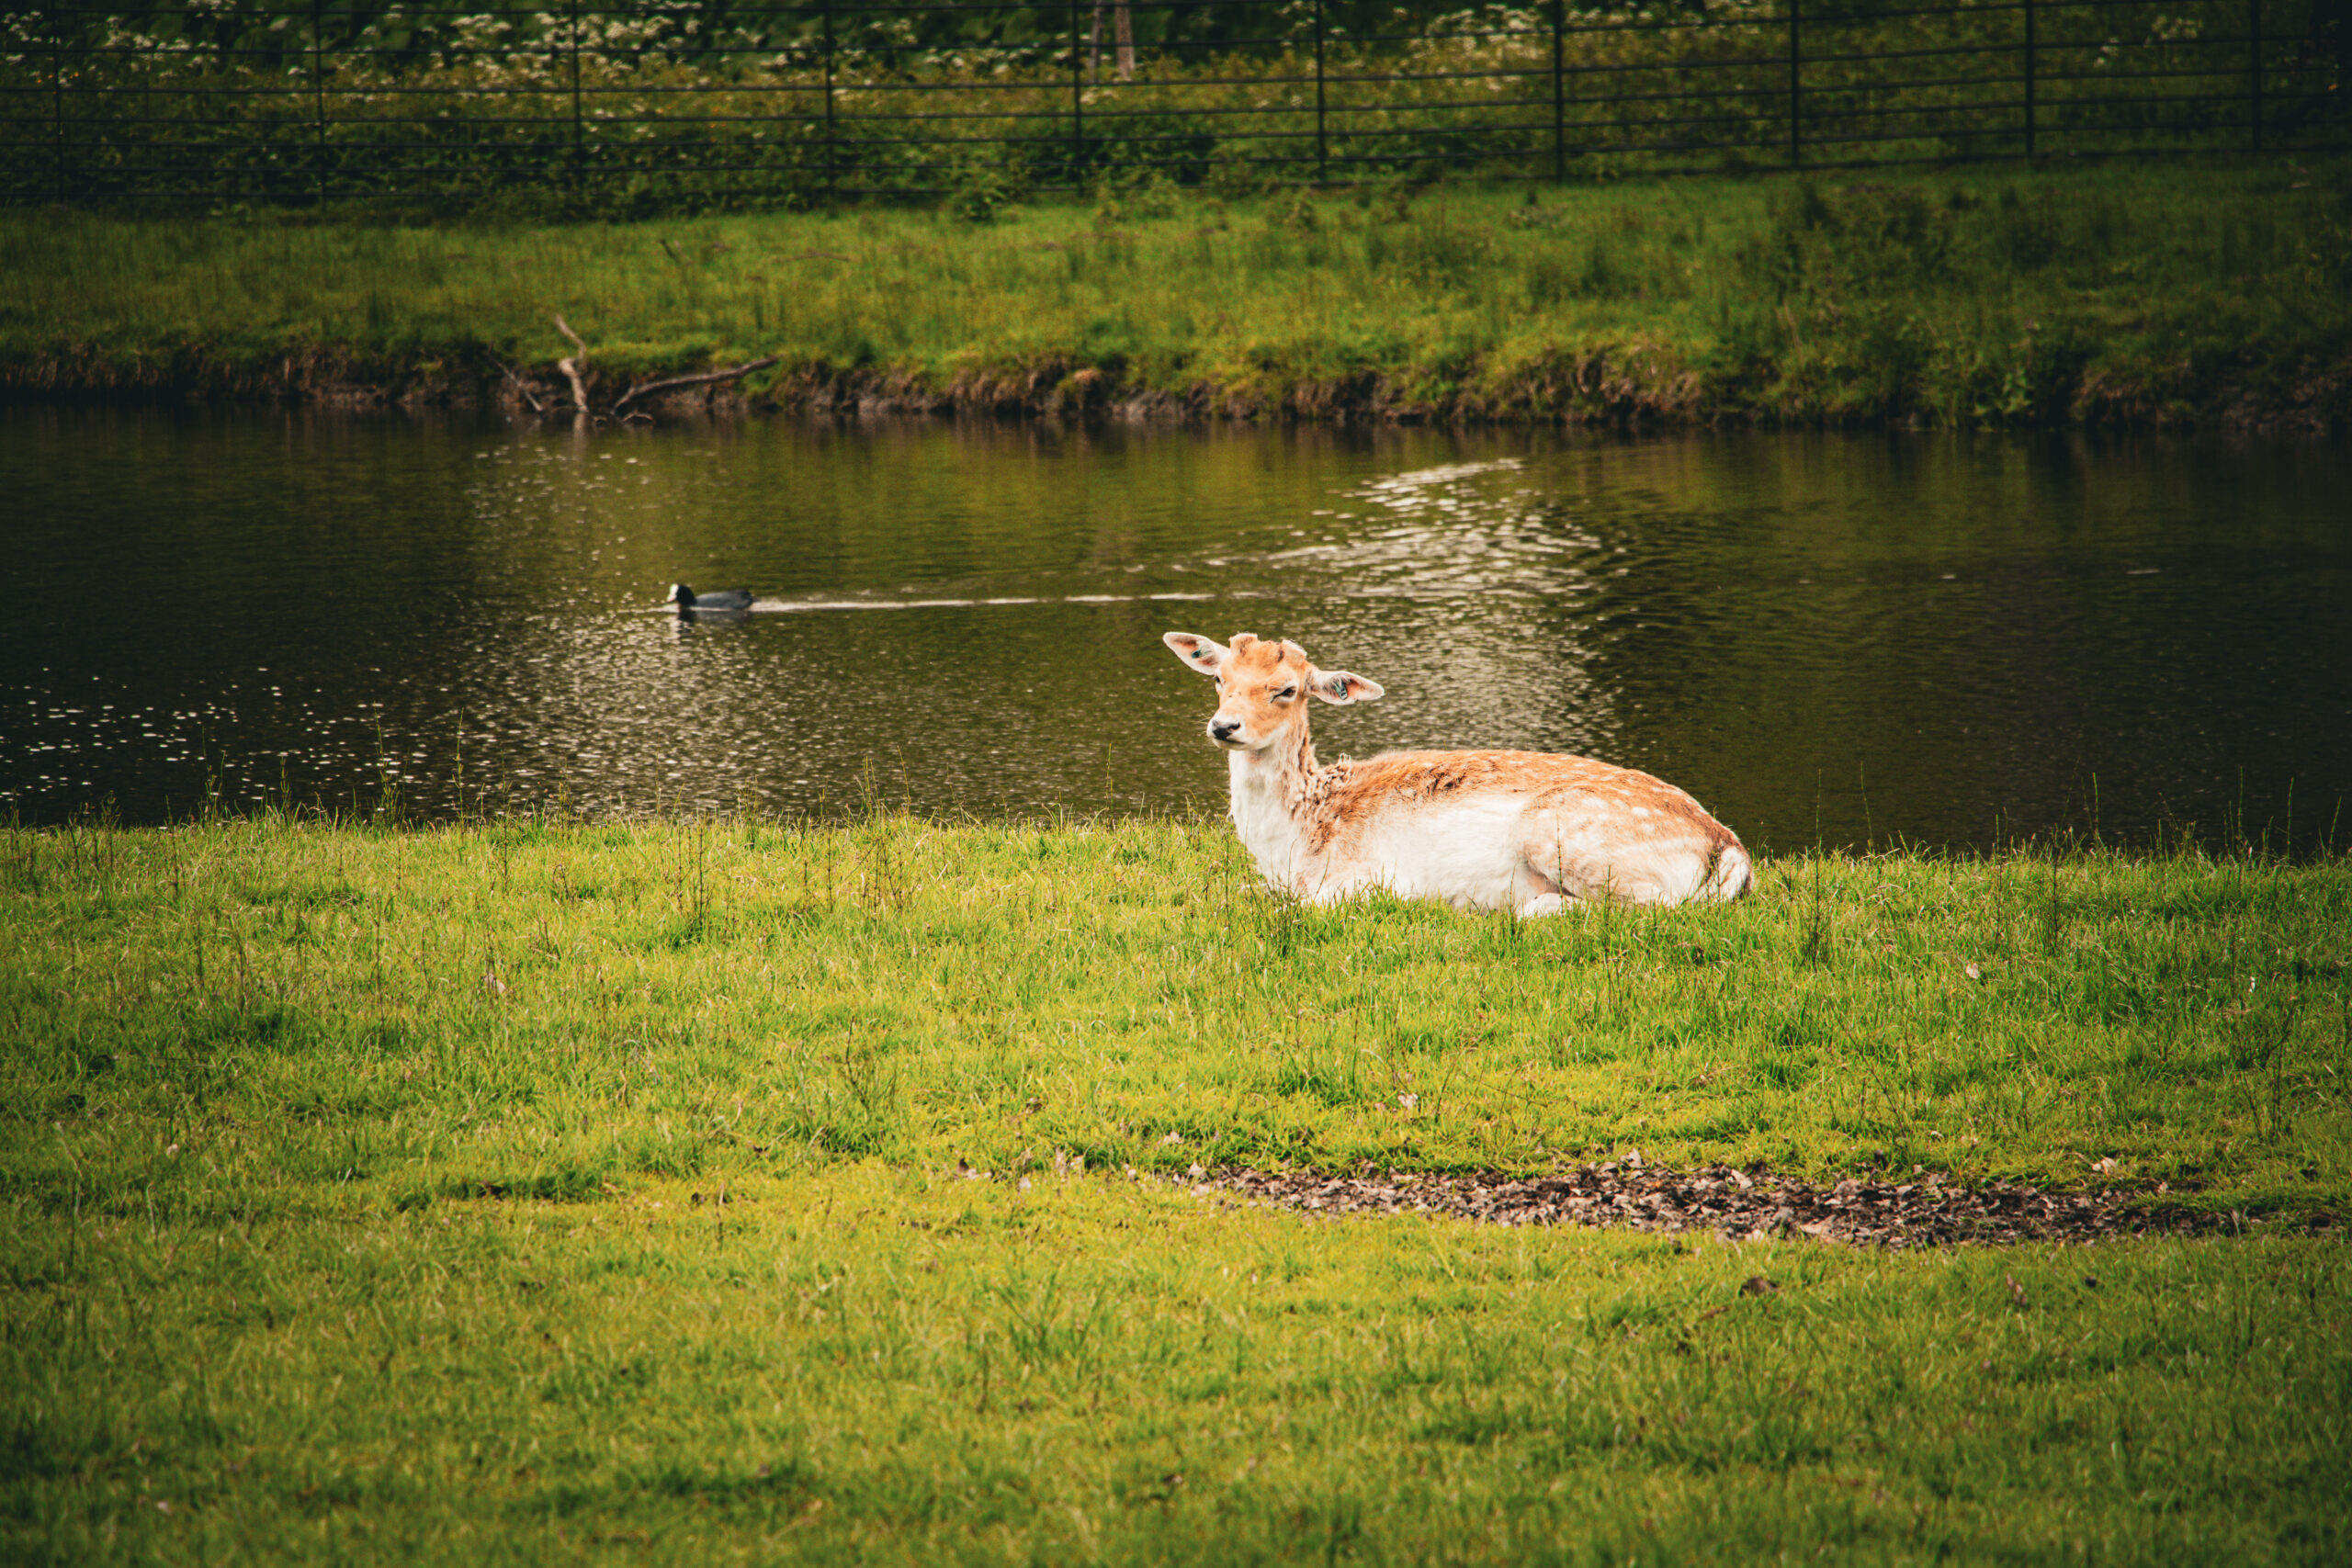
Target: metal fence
{"points": [[670, 105]]}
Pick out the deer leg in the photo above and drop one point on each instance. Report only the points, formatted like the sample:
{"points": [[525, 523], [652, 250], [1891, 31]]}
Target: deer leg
{"points": [[1540, 895]]}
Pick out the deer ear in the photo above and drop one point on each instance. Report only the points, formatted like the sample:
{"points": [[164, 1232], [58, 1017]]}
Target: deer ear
{"points": [[1343, 686], [1198, 652]]}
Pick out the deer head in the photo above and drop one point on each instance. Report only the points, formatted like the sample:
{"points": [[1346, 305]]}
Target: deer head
{"points": [[1261, 686]]}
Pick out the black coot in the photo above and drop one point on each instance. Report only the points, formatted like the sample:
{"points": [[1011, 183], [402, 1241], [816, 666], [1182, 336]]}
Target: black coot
{"points": [[686, 599]]}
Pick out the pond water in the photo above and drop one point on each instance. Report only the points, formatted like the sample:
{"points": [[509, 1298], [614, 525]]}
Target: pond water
{"points": [[1838, 636]]}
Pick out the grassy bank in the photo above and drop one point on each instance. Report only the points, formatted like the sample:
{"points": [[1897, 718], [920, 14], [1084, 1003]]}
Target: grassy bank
{"points": [[2129, 294], [607, 1192], [606, 1195]]}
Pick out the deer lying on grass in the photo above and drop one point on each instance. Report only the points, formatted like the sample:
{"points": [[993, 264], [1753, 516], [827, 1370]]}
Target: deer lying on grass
{"points": [[1522, 830]]}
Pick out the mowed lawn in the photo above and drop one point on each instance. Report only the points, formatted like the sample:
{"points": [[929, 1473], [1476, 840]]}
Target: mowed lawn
{"points": [[690, 1192]]}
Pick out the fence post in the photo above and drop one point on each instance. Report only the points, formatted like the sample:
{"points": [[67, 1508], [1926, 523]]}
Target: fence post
{"points": [[319, 98], [1559, 93], [1796, 146], [1077, 96], [1322, 146], [2254, 71], [57, 93], [2029, 78], [833, 134], [579, 121]]}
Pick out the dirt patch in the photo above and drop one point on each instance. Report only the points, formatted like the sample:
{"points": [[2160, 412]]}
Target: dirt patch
{"points": [[1929, 1212]]}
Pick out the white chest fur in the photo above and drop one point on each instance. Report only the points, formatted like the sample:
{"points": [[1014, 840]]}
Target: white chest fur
{"points": [[1261, 807]]}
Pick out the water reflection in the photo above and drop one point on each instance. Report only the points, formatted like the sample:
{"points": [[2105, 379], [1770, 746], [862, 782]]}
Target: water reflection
{"points": [[1879, 635]]}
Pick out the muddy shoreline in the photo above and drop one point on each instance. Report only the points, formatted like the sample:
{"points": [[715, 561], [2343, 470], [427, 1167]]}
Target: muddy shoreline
{"points": [[1621, 387]]}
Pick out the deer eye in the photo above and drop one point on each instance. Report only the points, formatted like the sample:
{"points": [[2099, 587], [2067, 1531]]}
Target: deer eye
{"points": [[1286, 694]]}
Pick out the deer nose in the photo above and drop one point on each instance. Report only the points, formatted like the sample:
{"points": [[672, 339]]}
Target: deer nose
{"points": [[1224, 729]]}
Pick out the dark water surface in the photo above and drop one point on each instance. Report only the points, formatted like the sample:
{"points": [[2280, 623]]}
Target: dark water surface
{"points": [[1929, 636]]}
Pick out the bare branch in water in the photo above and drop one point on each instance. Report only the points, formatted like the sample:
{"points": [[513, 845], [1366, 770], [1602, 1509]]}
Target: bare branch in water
{"points": [[572, 367], [521, 388], [702, 380]]}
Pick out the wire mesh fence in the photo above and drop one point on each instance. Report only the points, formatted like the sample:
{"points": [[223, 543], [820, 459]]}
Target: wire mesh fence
{"points": [[669, 105]]}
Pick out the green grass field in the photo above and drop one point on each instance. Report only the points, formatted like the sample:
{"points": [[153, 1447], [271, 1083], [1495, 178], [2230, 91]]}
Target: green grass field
{"points": [[544, 1192], [2132, 293]]}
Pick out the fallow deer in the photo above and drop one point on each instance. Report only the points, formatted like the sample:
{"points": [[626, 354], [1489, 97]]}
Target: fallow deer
{"points": [[1528, 831]]}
